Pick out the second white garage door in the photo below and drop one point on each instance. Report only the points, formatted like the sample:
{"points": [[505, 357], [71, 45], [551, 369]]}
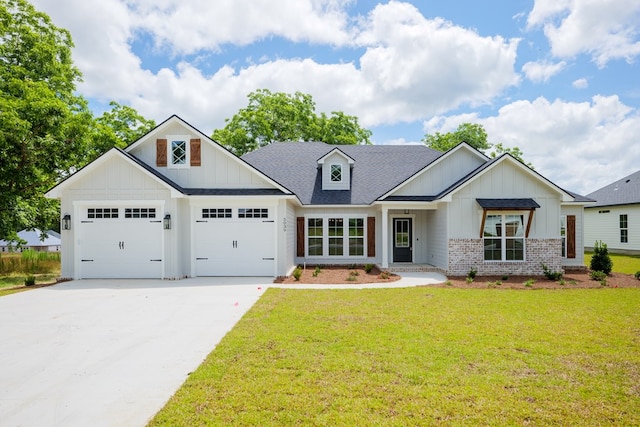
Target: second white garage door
{"points": [[234, 242]]}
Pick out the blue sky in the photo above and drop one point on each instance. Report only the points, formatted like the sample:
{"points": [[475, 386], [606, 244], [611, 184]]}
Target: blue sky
{"points": [[557, 78]]}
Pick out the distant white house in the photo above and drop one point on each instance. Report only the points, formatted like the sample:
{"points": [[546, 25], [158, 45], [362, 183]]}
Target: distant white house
{"points": [[50, 244], [615, 217]]}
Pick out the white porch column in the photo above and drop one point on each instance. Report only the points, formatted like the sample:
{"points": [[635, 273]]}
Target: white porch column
{"points": [[385, 237]]}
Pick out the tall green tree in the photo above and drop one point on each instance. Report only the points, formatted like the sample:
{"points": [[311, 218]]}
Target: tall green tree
{"points": [[474, 135], [42, 121], [274, 117], [117, 127]]}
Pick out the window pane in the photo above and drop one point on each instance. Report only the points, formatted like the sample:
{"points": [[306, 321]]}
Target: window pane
{"points": [[623, 221], [178, 152], [356, 227], [624, 237], [356, 246], [335, 246], [315, 246], [314, 228], [514, 225], [492, 249], [336, 173], [493, 226], [514, 249]]}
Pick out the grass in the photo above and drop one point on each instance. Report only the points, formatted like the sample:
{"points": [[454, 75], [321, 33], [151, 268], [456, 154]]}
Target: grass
{"points": [[422, 356], [626, 264], [15, 267]]}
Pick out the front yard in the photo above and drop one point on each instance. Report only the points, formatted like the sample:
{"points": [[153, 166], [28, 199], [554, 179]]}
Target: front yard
{"points": [[422, 356]]}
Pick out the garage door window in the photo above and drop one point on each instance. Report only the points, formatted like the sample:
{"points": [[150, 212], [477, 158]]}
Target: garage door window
{"points": [[140, 213], [102, 213], [253, 213], [216, 213]]}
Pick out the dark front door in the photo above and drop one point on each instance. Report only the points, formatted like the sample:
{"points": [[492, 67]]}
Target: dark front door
{"points": [[402, 240]]}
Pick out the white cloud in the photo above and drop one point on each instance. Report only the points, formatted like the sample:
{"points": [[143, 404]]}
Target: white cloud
{"points": [[606, 30], [581, 146], [190, 26], [580, 83], [542, 71], [411, 67]]}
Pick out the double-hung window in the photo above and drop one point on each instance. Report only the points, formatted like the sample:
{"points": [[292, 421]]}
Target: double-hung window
{"points": [[503, 237], [335, 236], [624, 229]]}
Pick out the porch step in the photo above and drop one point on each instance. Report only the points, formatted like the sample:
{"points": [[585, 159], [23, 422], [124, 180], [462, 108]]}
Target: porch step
{"points": [[413, 268]]}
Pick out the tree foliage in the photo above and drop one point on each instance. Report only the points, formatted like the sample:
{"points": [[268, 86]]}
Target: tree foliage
{"points": [[46, 130], [117, 127], [474, 135], [275, 117], [42, 120]]}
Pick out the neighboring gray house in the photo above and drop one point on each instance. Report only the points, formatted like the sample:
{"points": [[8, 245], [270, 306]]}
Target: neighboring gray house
{"points": [[177, 204], [33, 240], [614, 219]]}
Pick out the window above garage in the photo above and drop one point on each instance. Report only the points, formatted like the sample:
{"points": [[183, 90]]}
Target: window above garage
{"points": [[178, 151]]}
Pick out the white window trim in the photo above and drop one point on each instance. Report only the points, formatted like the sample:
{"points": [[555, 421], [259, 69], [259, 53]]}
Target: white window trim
{"points": [[504, 238], [345, 236], [187, 160]]}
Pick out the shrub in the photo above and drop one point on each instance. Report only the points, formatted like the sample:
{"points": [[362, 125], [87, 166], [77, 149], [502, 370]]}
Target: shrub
{"points": [[498, 283], [529, 283], [351, 278], [551, 275], [637, 275], [297, 273], [505, 277], [385, 275], [30, 280], [316, 271], [469, 279], [598, 275], [472, 273], [601, 261], [368, 268], [448, 283]]}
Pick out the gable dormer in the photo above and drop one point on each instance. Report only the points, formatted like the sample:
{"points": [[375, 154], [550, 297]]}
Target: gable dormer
{"points": [[336, 170]]}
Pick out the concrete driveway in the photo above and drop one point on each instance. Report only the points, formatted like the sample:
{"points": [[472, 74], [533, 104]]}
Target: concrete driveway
{"points": [[110, 353]]}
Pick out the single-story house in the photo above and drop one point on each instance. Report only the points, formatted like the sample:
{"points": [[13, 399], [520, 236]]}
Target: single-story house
{"points": [[614, 219], [33, 240], [177, 204]]}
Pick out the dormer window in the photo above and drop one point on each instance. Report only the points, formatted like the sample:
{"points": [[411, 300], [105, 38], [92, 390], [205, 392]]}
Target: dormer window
{"points": [[336, 173], [336, 170]]}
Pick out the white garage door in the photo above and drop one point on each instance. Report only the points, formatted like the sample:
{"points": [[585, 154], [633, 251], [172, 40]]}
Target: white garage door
{"points": [[234, 242], [120, 242]]}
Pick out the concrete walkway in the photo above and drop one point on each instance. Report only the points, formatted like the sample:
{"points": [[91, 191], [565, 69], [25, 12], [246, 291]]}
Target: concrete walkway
{"points": [[112, 352]]}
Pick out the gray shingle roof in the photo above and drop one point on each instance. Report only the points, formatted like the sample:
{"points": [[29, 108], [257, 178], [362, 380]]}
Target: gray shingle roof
{"points": [[625, 191], [376, 171], [508, 203]]}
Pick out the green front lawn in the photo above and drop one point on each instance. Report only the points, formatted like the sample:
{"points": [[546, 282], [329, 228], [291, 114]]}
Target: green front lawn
{"points": [[422, 356], [626, 264]]}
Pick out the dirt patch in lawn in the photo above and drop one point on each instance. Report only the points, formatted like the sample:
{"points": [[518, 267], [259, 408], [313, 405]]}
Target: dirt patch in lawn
{"points": [[357, 275], [332, 274]]}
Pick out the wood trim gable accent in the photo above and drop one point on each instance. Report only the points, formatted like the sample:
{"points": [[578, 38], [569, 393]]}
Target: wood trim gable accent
{"points": [[571, 236], [300, 236], [371, 236], [526, 234], [195, 152], [161, 152]]}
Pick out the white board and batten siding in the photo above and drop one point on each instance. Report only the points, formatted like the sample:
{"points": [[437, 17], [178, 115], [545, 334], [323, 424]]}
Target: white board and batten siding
{"points": [[442, 174], [504, 180], [218, 168]]}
